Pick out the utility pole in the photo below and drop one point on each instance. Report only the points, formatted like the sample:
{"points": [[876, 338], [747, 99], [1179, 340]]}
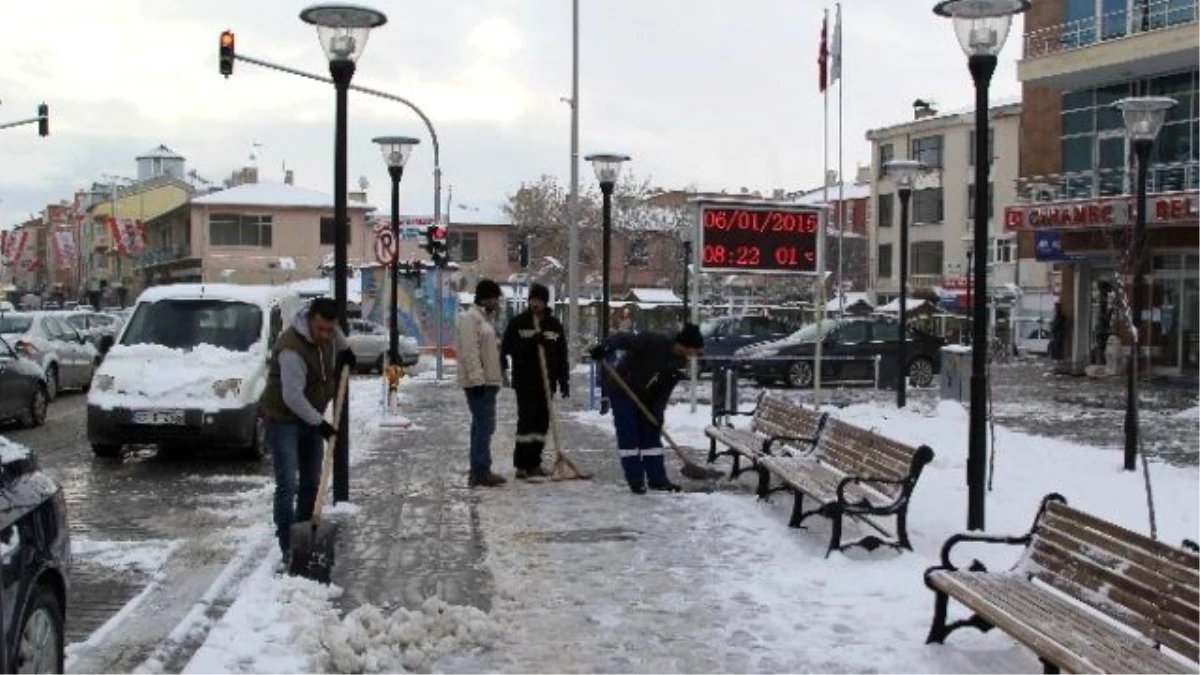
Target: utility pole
{"points": [[573, 198]]}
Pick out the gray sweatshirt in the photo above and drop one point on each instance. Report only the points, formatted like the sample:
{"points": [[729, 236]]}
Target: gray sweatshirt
{"points": [[293, 372]]}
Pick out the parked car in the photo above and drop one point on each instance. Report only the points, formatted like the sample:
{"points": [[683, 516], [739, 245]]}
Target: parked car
{"points": [[35, 553], [1036, 340], [23, 395], [189, 368], [93, 325], [369, 342], [65, 355], [852, 345], [723, 336]]}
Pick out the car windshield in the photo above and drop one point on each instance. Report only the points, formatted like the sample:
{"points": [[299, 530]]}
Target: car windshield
{"points": [[809, 332], [15, 323], [710, 327], [187, 324]]}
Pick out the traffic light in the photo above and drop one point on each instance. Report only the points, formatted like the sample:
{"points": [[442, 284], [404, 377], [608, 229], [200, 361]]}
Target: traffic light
{"points": [[226, 53], [428, 245], [523, 254], [43, 120], [438, 251]]}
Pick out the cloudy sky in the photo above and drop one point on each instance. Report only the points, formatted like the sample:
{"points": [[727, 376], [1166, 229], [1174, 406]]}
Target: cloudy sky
{"points": [[713, 93]]}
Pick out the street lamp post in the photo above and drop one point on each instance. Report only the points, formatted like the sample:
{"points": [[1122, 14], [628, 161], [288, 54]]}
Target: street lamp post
{"points": [[1144, 117], [343, 31], [608, 168], [396, 150], [904, 171], [981, 27]]}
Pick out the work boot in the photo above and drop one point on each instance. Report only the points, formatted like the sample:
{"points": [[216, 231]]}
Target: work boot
{"points": [[522, 474], [635, 474], [537, 472], [488, 479], [656, 474]]}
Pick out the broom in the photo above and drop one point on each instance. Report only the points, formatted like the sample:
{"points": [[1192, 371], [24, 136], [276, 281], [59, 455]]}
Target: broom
{"points": [[690, 468], [563, 468]]}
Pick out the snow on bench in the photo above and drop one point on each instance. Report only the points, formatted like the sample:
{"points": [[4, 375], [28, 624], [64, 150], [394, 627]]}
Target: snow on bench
{"points": [[852, 472], [774, 422], [1086, 596]]}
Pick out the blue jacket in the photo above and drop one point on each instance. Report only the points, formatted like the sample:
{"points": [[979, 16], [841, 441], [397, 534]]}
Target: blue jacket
{"points": [[649, 366]]}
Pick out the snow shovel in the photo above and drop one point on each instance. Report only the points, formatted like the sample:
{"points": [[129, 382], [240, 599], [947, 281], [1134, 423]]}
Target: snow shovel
{"points": [[690, 468], [562, 468], [312, 549]]}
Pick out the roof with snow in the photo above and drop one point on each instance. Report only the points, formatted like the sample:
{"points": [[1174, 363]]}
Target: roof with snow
{"points": [[849, 191], [1002, 107], [461, 213], [913, 305], [161, 151], [273, 194], [663, 296], [850, 301]]}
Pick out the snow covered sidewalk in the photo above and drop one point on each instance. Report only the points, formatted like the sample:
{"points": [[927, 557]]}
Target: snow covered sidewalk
{"points": [[583, 576]]}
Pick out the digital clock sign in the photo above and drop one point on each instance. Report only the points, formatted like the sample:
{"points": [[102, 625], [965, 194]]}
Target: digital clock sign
{"points": [[755, 237]]}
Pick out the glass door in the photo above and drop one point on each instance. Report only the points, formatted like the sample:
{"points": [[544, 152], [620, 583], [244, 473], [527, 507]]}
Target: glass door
{"points": [[1189, 326]]}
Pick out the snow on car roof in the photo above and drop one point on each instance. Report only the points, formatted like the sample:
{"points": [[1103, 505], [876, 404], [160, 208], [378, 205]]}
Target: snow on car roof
{"points": [[12, 452], [258, 295]]}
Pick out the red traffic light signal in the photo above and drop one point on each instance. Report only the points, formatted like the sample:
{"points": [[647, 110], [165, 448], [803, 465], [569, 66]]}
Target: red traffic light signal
{"points": [[226, 53], [43, 120], [438, 233]]}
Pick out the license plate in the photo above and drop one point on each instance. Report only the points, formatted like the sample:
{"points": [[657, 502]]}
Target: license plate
{"points": [[174, 417]]}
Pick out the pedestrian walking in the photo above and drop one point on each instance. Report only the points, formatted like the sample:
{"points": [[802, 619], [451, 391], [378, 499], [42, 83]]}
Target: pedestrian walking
{"points": [[1058, 333], [528, 332], [481, 376], [652, 365], [302, 378]]}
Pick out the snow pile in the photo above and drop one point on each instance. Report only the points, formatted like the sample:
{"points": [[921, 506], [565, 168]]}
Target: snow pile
{"points": [[154, 376], [12, 452], [285, 624], [1189, 414], [143, 557]]}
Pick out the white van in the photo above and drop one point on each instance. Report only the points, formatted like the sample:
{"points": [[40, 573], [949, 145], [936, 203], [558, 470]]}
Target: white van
{"points": [[189, 368]]}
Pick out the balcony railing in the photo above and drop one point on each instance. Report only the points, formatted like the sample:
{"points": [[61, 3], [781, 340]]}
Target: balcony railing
{"points": [[164, 254], [1160, 178], [1134, 20]]}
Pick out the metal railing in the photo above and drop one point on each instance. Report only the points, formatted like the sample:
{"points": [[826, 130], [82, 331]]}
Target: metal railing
{"points": [[164, 254], [1134, 20], [1160, 179]]}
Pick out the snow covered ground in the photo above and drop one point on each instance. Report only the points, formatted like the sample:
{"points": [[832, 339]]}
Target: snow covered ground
{"points": [[588, 577]]}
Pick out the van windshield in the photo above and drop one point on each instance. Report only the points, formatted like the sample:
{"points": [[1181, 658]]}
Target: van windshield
{"points": [[187, 324]]}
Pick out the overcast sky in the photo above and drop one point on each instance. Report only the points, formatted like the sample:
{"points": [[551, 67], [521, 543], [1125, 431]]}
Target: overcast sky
{"points": [[715, 93]]}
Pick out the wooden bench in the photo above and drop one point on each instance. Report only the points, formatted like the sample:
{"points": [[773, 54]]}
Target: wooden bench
{"points": [[774, 422], [852, 472], [1086, 595]]}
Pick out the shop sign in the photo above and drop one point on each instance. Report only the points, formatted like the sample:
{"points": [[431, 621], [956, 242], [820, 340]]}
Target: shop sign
{"points": [[1101, 213]]}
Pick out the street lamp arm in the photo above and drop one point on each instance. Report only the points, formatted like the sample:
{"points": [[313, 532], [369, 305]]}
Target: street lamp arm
{"points": [[366, 90], [31, 120]]}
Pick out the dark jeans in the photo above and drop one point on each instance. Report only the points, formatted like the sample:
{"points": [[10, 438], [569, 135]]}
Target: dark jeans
{"points": [[482, 402], [296, 453], [533, 420]]}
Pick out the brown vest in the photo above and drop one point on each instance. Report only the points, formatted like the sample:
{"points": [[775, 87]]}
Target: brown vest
{"points": [[320, 380]]}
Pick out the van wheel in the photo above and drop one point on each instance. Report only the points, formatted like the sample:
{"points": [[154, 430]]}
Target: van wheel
{"points": [[106, 450]]}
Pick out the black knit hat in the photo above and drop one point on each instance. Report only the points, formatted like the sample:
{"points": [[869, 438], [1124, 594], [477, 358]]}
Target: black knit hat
{"points": [[487, 289], [690, 336], [539, 292]]}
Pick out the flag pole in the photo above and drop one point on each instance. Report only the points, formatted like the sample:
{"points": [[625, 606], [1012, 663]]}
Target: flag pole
{"points": [[822, 58], [837, 60]]}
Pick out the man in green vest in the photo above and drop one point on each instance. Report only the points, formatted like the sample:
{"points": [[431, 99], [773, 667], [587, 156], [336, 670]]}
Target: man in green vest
{"points": [[301, 381]]}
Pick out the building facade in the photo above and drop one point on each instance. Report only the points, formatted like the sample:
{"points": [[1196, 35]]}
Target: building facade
{"points": [[1073, 203], [941, 210]]}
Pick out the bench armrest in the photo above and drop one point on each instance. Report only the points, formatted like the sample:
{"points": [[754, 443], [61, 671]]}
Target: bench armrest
{"points": [[979, 537], [850, 480], [1190, 545]]}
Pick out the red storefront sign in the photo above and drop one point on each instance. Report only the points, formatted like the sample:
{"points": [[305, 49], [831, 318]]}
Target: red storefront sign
{"points": [[1101, 213]]}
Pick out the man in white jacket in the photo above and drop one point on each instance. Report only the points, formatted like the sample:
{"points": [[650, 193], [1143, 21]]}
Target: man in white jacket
{"points": [[481, 376]]}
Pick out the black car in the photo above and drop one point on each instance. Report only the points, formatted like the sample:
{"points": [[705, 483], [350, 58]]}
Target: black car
{"points": [[23, 394], [850, 347], [34, 561], [723, 336]]}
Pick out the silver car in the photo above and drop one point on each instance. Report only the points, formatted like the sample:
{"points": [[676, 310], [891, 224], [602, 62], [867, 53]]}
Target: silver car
{"points": [[369, 342], [65, 355]]}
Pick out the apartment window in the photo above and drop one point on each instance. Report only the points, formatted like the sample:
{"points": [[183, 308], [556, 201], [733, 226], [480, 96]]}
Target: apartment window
{"points": [[638, 254], [928, 151], [883, 269], [884, 209], [328, 232], [887, 152], [463, 246], [926, 257], [234, 229], [991, 147], [991, 204], [1003, 250], [927, 206]]}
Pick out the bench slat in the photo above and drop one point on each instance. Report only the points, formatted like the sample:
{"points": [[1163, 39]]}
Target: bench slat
{"points": [[858, 441], [819, 482], [1054, 627], [1188, 560]]}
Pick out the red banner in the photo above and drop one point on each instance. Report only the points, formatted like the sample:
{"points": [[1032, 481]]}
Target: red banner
{"points": [[129, 236]]}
